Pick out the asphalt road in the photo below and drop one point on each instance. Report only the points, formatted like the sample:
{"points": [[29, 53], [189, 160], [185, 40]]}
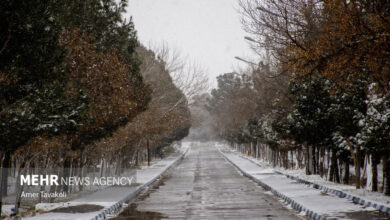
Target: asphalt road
{"points": [[205, 186]]}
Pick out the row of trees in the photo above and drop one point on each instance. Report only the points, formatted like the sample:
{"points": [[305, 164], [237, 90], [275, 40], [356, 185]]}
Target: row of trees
{"points": [[323, 94], [77, 90]]}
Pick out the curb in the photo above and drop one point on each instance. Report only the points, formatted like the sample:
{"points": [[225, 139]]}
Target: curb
{"points": [[355, 199], [310, 213], [114, 209]]}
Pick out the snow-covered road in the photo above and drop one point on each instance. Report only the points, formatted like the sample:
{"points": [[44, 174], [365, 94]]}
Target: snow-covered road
{"points": [[206, 186]]}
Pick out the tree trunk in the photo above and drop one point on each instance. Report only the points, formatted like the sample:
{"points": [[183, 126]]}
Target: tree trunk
{"points": [[313, 160], [1, 174], [355, 152], [148, 151], [292, 159], [137, 158], [81, 170], [66, 173], [386, 175], [5, 173], [357, 159], [364, 173], [316, 155], [346, 172], [328, 159], [275, 156], [374, 167], [286, 156], [44, 172], [19, 187], [334, 170], [299, 157], [118, 168], [322, 149], [307, 161]]}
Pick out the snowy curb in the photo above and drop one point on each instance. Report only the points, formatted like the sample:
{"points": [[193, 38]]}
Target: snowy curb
{"points": [[355, 199], [114, 209], [341, 194], [313, 215]]}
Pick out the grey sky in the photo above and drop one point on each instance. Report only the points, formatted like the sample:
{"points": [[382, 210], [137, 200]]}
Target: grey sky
{"points": [[208, 31]]}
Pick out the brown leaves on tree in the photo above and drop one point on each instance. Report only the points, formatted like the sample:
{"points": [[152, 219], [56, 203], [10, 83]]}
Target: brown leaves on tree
{"points": [[115, 97], [167, 114], [353, 43]]}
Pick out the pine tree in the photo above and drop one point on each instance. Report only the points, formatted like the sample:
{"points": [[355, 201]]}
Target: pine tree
{"points": [[310, 123], [374, 132]]}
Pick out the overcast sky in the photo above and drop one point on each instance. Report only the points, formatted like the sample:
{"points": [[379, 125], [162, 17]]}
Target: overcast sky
{"points": [[208, 31]]}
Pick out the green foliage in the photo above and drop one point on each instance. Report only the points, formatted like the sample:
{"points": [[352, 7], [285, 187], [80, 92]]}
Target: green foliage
{"points": [[262, 130], [32, 99], [29, 47], [374, 124], [35, 76], [310, 121], [103, 19], [46, 112]]}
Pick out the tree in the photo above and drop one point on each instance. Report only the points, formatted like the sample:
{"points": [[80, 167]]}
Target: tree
{"points": [[310, 123], [278, 26], [345, 42], [31, 37], [115, 94], [164, 121], [231, 105], [187, 75], [354, 33], [348, 101], [374, 131], [32, 100]]}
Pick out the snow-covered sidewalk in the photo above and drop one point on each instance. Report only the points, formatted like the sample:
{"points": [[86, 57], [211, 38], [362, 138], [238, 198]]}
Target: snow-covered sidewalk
{"points": [[310, 201], [111, 198], [349, 190]]}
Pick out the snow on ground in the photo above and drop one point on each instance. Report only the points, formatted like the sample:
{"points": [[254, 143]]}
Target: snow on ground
{"points": [[310, 198], [108, 196], [350, 189], [317, 179], [7, 209], [59, 215]]}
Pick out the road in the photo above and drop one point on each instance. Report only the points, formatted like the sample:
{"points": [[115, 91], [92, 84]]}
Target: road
{"points": [[205, 186]]}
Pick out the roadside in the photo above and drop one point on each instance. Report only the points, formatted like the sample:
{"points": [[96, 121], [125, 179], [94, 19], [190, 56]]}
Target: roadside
{"points": [[312, 202], [362, 193], [109, 201]]}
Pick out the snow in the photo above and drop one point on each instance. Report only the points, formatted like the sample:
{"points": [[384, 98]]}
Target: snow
{"points": [[317, 179], [52, 216], [310, 198], [7, 209], [362, 193], [107, 196]]}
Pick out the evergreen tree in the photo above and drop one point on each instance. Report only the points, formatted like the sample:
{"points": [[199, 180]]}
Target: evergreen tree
{"points": [[32, 75], [310, 122], [374, 133]]}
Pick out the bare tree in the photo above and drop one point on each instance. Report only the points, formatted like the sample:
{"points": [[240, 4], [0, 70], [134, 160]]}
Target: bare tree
{"points": [[187, 75], [277, 25]]}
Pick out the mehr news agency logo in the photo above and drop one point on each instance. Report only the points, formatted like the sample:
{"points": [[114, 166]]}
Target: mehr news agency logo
{"points": [[55, 180]]}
